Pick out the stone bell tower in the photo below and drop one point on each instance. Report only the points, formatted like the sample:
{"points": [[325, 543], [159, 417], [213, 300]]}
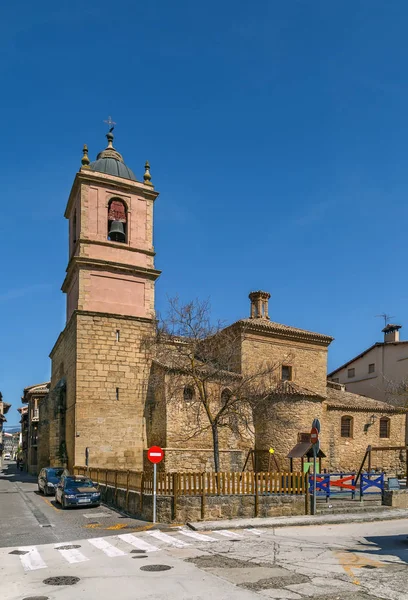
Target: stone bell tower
{"points": [[100, 358]]}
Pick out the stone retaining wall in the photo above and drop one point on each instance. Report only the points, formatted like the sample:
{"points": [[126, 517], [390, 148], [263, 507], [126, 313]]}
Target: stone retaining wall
{"points": [[395, 498], [191, 508]]}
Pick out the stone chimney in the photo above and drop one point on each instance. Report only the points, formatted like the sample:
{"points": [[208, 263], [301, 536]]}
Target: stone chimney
{"points": [[259, 305], [391, 333]]}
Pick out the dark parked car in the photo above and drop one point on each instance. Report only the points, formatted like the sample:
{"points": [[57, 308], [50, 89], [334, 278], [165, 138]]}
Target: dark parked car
{"points": [[75, 490], [48, 479]]}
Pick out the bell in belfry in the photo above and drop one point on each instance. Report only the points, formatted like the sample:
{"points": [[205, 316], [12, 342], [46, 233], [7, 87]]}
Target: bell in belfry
{"points": [[117, 232]]}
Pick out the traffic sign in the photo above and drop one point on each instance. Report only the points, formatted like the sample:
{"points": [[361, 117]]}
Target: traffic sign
{"points": [[316, 424], [314, 435], [155, 454]]}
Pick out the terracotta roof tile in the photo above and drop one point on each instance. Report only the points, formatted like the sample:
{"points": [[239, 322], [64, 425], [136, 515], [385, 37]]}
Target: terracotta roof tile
{"points": [[284, 330], [347, 400]]}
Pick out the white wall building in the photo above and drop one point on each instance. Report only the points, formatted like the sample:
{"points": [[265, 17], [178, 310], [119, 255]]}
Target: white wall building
{"points": [[380, 372]]}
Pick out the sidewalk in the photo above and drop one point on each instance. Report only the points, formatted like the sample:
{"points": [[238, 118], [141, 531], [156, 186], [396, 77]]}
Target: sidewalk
{"points": [[381, 515]]}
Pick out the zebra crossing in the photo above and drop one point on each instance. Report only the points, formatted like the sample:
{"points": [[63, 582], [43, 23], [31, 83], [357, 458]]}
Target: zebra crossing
{"points": [[33, 558]]}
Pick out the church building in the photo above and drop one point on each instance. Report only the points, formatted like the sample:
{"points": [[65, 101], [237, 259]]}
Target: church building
{"points": [[101, 410]]}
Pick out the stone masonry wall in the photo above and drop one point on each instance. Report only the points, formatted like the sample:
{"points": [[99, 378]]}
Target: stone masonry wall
{"points": [[277, 424], [182, 428], [55, 427], [112, 381], [308, 361], [347, 453], [189, 508]]}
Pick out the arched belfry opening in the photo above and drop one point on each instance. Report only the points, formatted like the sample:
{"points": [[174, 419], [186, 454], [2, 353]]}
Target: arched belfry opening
{"points": [[117, 221]]}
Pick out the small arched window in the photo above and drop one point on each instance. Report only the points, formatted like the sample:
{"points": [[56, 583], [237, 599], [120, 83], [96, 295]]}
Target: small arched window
{"points": [[117, 221], [188, 393], [347, 427], [384, 427]]}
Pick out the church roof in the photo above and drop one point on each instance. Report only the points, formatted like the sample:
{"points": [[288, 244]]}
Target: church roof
{"points": [[290, 388], [279, 329], [111, 162], [340, 399]]}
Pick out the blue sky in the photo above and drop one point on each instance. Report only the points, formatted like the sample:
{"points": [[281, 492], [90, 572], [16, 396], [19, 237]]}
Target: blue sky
{"points": [[277, 137]]}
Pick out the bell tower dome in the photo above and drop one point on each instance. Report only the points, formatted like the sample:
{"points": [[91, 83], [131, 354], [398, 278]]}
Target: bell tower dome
{"points": [[111, 254]]}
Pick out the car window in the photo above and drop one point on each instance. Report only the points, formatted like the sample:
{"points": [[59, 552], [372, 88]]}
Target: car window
{"points": [[73, 482], [55, 472]]}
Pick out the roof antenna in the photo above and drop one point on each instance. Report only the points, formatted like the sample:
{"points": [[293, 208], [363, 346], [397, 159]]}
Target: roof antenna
{"points": [[387, 318]]}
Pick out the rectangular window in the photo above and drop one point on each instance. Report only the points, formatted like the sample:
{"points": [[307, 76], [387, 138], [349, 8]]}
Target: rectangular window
{"points": [[335, 380], [351, 372], [384, 428], [371, 368], [286, 373], [117, 393], [118, 335], [346, 427]]}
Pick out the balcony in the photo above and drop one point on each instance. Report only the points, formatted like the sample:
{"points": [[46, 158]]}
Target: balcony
{"points": [[35, 414]]}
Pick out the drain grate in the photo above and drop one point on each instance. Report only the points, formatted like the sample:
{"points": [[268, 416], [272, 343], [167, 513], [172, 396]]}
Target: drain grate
{"points": [[140, 556], [19, 552], [61, 580], [36, 598], [156, 568], [137, 551], [68, 547]]}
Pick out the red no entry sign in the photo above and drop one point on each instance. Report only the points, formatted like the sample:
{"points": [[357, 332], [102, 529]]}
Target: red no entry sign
{"points": [[314, 435], [155, 454]]}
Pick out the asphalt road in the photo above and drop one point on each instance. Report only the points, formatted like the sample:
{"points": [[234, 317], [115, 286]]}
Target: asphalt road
{"points": [[29, 518], [114, 556]]}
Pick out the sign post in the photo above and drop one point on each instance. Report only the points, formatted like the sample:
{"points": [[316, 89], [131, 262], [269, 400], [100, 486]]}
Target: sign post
{"points": [[155, 454], [314, 438]]}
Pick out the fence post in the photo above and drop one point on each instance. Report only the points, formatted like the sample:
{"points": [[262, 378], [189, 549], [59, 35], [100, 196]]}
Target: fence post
{"points": [[116, 485], [106, 480], [203, 497], [127, 489], [175, 495], [256, 495], [307, 494]]}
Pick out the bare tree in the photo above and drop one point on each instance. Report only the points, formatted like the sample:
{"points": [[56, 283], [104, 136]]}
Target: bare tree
{"points": [[205, 362]]}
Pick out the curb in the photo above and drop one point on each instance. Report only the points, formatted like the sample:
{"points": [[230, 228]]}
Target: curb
{"points": [[306, 521]]}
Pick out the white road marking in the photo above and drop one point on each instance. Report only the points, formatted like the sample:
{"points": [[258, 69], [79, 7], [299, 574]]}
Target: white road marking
{"points": [[168, 539], [32, 560], [106, 547], [99, 515], [73, 555], [137, 542], [228, 533], [254, 531], [199, 536]]}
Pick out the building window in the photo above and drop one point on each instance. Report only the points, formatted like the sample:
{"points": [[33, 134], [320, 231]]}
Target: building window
{"points": [[117, 221], [384, 427], [286, 373], [117, 393], [371, 367], [335, 380], [347, 427], [188, 393], [351, 372]]}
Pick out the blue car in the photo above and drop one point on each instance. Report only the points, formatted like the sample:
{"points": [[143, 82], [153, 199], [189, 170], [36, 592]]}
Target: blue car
{"points": [[76, 490], [49, 478]]}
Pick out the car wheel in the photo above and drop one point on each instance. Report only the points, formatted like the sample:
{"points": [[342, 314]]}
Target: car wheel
{"points": [[63, 504], [39, 489]]}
